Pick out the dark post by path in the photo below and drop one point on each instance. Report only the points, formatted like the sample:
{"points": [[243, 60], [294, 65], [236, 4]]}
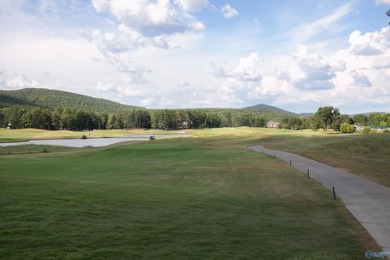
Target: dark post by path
{"points": [[334, 193]]}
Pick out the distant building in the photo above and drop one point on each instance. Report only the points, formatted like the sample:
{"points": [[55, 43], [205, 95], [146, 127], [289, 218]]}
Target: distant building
{"points": [[183, 125], [272, 124], [359, 127]]}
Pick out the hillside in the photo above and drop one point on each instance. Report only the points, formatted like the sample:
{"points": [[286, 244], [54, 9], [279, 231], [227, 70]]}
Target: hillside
{"points": [[266, 109], [35, 97]]}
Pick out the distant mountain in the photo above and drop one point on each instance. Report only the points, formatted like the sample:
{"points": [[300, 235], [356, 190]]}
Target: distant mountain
{"points": [[368, 113], [36, 97], [269, 109], [306, 114]]}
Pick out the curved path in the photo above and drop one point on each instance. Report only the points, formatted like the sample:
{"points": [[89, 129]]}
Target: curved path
{"points": [[369, 202]]}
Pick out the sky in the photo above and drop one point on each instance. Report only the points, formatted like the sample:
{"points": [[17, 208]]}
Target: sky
{"points": [[294, 54]]}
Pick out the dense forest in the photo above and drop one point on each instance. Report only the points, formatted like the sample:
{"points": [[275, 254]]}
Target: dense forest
{"points": [[55, 110], [36, 97], [168, 119], [17, 117]]}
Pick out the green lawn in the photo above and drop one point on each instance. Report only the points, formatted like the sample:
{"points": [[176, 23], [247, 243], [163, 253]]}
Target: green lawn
{"points": [[17, 135], [367, 155], [204, 197]]}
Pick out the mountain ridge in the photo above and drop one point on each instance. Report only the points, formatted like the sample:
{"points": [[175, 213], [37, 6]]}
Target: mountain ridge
{"points": [[48, 98], [268, 108]]}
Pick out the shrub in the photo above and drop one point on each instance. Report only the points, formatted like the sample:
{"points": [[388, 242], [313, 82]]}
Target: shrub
{"points": [[387, 131], [346, 128], [84, 137], [366, 130]]}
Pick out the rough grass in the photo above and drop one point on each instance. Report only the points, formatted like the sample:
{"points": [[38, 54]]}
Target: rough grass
{"points": [[364, 155], [203, 197], [34, 149]]}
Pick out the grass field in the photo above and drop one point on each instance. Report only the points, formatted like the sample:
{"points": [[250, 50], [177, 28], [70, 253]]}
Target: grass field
{"points": [[204, 197], [367, 155], [12, 135]]}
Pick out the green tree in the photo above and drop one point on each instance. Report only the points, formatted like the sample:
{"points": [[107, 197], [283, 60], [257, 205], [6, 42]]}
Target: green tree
{"points": [[56, 118], [259, 121], [13, 117], [326, 117], [347, 128], [291, 122], [2, 123], [360, 119], [197, 118], [103, 118], [212, 121], [37, 118], [67, 118], [113, 122], [182, 118], [375, 119]]}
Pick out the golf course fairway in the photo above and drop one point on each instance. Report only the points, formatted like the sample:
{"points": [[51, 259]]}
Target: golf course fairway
{"points": [[195, 197]]}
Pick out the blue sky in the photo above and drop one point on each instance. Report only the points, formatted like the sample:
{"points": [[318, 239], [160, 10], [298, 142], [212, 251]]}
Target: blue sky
{"points": [[296, 55]]}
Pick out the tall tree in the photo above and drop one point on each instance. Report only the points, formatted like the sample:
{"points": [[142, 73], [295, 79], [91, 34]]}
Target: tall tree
{"points": [[375, 119], [13, 117], [327, 116], [360, 119], [2, 123]]}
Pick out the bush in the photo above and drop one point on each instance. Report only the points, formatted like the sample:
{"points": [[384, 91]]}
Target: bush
{"points": [[346, 128], [366, 130], [83, 137], [386, 131]]}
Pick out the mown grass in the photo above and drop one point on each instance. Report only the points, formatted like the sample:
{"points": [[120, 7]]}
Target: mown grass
{"points": [[204, 197], [17, 135], [364, 155]]}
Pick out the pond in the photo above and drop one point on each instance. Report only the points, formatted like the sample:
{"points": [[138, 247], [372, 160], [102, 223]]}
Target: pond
{"points": [[93, 142]]}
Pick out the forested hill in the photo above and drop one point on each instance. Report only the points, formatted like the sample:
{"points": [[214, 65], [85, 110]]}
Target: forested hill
{"points": [[266, 109], [46, 98]]}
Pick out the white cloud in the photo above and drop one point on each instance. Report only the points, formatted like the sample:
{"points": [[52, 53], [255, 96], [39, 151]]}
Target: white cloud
{"points": [[313, 71], [147, 102], [371, 43], [192, 6], [150, 18], [248, 69], [105, 88], [101, 5], [271, 86], [381, 63], [143, 24], [383, 1], [228, 11], [360, 79], [241, 82], [12, 80], [125, 39], [183, 83]]}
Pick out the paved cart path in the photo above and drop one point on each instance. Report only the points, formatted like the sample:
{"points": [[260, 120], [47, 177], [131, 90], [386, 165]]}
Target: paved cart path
{"points": [[369, 202]]}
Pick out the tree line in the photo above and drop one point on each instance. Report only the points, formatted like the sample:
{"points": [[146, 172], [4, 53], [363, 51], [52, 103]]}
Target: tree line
{"points": [[167, 119], [172, 119], [329, 117]]}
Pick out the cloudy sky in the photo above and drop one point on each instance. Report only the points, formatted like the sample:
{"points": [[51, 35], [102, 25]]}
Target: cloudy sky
{"points": [[293, 54]]}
